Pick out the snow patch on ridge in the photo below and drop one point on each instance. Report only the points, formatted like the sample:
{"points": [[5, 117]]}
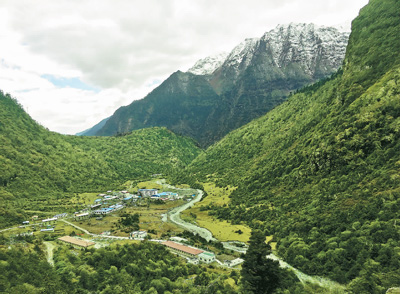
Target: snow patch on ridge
{"points": [[208, 65], [307, 45]]}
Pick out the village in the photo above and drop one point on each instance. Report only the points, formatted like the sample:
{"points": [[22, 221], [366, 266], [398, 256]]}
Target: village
{"points": [[101, 222]]}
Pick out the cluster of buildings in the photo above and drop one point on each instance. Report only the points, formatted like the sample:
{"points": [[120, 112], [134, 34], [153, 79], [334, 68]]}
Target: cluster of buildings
{"points": [[109, 209], [46, 224], [154, 194]]}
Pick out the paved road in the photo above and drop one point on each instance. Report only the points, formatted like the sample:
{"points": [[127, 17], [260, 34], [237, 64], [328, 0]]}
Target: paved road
{"points": [[174, 216]]}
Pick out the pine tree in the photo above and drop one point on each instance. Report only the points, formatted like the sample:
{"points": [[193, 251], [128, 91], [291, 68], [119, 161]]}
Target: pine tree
{"points": [[259, 274]]}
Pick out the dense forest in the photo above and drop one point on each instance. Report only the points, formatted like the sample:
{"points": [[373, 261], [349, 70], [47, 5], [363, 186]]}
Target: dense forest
{"points": [[36, 164], [144, 268], [321, 172], [132, 268]]}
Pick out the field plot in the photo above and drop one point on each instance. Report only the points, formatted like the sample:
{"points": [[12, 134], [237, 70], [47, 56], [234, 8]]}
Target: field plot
{"points": [[221, 229]]}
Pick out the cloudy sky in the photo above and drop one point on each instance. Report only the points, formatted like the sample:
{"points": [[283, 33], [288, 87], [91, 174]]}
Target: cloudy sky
{"points": [[71, 63]]}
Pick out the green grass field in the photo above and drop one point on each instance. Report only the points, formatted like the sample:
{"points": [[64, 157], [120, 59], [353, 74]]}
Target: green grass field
{"points": [[84, 198], [222, 230]]}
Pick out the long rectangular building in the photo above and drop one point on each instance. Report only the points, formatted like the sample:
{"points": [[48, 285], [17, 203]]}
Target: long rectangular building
{"points": [[182, 249], [76, 242]]}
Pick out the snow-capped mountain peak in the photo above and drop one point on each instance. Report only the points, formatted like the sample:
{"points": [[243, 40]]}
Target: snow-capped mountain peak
{"points": [[208, 65], [287, 50], [302, 43], [242, 53]]}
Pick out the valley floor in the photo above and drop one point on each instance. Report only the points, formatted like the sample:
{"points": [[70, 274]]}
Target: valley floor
{"points": [[187, 216]]}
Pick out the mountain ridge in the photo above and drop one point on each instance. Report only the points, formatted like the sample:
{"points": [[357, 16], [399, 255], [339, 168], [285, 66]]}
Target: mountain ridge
{"points": [[320, 172], [248, 83]]}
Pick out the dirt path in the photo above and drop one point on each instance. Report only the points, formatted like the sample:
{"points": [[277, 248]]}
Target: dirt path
{"points": [[49, 248], [304, 278], [91, 234]]}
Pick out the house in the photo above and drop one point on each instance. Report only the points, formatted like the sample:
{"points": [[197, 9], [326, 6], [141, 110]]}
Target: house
{"points": [[141, 234], [25, 223], [206, 257], [49, 221], [47, 230], [103, 210], [234, 262], [76, 243], [147, 192], [169, 195], [85, 215]]}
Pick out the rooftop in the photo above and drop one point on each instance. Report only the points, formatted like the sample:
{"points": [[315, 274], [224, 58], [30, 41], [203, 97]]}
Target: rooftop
{"points": [[75, 241], [49, 219], [186, 249], [208, 254], [82, 214]]}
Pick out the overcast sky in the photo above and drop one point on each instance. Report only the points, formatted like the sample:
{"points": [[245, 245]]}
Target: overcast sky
{"points": [[71, 63]]}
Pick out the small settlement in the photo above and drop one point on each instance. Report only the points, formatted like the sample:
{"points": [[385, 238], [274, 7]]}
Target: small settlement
{"points": [[115, 201]]}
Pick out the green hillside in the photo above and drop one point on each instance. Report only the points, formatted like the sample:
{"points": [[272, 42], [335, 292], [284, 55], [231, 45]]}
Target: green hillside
{"points": [[39, 167], [322, 171]]}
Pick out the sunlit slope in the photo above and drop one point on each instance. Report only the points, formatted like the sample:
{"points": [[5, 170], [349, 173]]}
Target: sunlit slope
{"points": [[326, 162]]}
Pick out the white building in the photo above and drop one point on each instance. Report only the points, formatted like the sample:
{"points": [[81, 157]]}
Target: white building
{"points": [[234, 262], [147, 192], [139, 234], [206, 257], [194, 255]]}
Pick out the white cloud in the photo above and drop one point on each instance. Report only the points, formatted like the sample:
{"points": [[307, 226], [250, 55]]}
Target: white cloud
{"points": [[124, 47]]}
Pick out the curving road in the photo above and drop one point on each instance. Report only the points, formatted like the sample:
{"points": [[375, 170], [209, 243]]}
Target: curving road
{"points": [[174, 216]]}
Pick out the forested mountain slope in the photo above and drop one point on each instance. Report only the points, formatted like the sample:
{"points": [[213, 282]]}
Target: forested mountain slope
{"points": [[38, 164], [322, 171], [218, 95]]}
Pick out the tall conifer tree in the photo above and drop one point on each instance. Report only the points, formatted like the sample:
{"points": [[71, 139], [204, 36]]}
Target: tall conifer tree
{"points": [[259, 274]]}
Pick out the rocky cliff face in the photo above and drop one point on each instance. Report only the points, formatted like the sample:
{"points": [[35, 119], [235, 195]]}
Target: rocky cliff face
{"points": [[223, 92], [304, 50]]}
